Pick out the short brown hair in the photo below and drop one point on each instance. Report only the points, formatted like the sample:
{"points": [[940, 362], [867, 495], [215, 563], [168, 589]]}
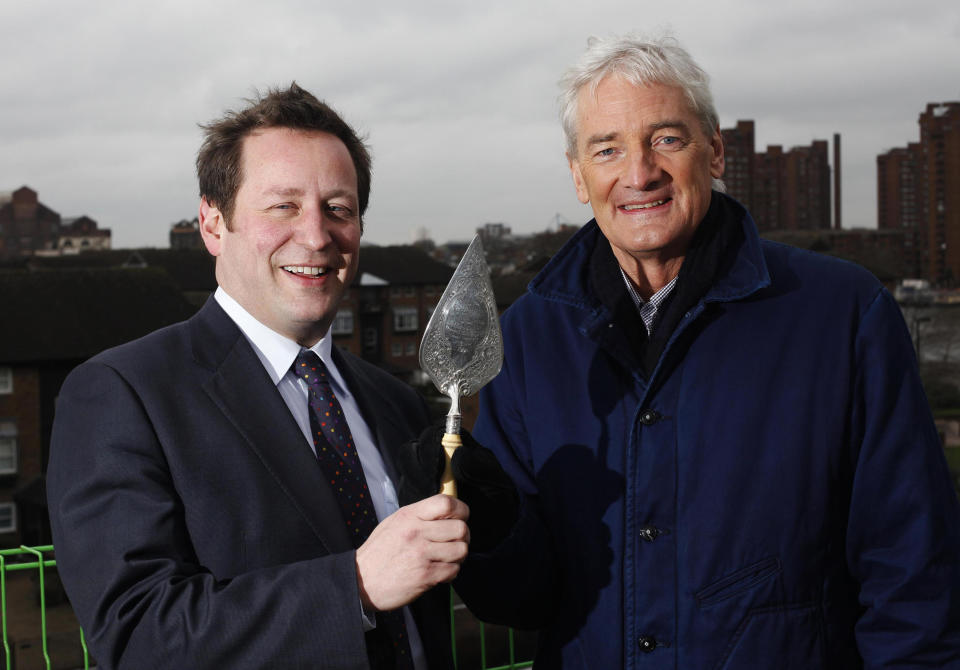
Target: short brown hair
{"points": [[219, 160]]}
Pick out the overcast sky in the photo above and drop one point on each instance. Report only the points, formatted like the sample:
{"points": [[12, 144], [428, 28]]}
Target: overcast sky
{"points": [[101, 100]]}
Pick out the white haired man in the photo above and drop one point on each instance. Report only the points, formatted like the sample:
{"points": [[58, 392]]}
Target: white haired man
{"points": [[724, 453]]}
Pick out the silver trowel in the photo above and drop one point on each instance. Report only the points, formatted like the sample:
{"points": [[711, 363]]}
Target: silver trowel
{"points": [[462, 348]]}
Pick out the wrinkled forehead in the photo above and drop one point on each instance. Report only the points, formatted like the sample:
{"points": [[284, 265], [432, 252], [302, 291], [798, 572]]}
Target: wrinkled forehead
{"points": [[620, 94]]}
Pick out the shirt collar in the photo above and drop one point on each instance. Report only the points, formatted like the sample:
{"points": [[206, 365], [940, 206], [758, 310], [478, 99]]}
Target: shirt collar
{"points": [[276, 352], [649, 309]]}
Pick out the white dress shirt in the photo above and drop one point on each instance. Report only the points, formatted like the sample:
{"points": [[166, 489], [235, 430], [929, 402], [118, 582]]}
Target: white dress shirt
{"points": [[277, 353]]}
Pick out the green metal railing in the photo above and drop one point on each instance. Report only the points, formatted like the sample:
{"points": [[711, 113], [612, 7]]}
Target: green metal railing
{"points": [[40, 559], [12, 560]]}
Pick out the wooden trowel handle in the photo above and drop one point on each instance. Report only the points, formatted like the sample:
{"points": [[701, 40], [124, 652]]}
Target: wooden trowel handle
{"points": [[450, 442]]}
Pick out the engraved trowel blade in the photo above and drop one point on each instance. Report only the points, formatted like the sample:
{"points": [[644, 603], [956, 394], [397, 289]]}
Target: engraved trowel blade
{"points": [[462, 348]]}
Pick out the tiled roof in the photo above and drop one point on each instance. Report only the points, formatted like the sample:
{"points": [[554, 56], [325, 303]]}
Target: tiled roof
{"points": [[73, 314], [189, 269], [402, 265]]}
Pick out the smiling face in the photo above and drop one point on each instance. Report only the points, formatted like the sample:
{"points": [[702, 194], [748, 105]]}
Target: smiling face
{"points": [[291, 249], [645, 165]]}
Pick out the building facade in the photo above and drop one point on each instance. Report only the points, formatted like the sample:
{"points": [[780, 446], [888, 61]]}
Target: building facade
{"points": [[29, 228], [918, 191], [26, 224], [784, 190]]}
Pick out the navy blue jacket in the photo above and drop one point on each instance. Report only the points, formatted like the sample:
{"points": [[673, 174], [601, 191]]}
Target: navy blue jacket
{"points": [[772, 495]]}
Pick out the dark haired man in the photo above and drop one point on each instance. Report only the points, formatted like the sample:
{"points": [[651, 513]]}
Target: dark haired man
{"points": [[222, 491]]}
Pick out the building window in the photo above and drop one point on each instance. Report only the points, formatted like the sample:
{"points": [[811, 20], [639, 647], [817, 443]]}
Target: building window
{"points": [[411, 349], [396, 350], [343, 323], [8, 447], [8, 517], [6, 379], [404, 319]]}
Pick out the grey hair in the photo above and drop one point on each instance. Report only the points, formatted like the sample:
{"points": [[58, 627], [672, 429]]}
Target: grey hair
{"points": [[642, 62]]}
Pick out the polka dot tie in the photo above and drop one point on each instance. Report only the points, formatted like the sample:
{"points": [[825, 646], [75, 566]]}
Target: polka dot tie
{"points": [[387, 644]]}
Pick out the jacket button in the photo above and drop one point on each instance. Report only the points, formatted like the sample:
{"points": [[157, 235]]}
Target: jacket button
{"points": [[647, 643], [648, 533], [649, 417]]}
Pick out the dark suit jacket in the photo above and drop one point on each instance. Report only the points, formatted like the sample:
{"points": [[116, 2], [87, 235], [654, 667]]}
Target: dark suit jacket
{"points": [[192, 526]]}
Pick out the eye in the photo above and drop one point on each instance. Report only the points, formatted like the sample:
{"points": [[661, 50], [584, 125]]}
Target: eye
{"points": [[340, 210], [669, 142], [605, 153], [284, 206]]}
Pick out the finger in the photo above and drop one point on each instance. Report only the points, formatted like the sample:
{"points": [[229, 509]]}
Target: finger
{"points": [[441, 572], [446, 530], [440, 506], [447, 552]]}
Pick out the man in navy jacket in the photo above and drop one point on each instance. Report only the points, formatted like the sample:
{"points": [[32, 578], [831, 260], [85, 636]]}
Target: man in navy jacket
{"points": [[724, 453], [193, 524]]}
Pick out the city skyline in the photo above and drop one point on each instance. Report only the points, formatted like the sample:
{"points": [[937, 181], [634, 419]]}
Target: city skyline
{"points": [[100, 115]]}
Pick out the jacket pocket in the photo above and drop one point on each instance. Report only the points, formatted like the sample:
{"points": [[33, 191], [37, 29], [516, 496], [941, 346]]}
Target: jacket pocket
{"points": [[738, 582], [785, 637]]}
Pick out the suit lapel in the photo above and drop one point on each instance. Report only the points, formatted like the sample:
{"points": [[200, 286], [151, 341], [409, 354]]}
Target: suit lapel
{"points": [[244, 392]]}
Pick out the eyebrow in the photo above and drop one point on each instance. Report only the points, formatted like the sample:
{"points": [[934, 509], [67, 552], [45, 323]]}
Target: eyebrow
{"points": [[600, 139], [659, 125], [294, 192], [671, 123], [284, 192]]}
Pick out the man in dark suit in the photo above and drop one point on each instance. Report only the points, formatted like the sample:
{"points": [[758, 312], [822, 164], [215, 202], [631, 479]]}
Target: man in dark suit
{"points": [[215, 487]]}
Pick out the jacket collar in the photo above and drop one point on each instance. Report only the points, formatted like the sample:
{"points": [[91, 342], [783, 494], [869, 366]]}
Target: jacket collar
{"points": [[566, 278]]}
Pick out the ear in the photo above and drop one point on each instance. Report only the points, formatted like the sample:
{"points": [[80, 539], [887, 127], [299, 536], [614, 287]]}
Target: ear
{"points": [[716, 160], [583, 195], [212, 226]]}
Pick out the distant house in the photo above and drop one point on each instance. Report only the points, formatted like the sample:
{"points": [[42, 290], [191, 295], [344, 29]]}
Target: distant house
{"points": [[28, 228], [186, 235], [26, 224], [81, 234], [386, 310]]}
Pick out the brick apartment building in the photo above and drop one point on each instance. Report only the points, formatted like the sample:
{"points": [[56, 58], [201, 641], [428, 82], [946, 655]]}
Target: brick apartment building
{"points": [[739, 172], [384, 315], [918, 192], [784, 190]]}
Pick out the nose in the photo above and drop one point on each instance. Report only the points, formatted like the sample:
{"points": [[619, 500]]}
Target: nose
{"points": [[643, 170], [313, 230]]}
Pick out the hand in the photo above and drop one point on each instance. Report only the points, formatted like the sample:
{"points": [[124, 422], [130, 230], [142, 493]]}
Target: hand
{"points": [[411, 551]]}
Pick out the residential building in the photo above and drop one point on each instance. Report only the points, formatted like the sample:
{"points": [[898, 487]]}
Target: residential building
{"points": [[26, 224], [28, 228], [783, 190], [739, 172], [82, 234], [918, 191], [385, 312], [899, 205], [186, 235]]}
